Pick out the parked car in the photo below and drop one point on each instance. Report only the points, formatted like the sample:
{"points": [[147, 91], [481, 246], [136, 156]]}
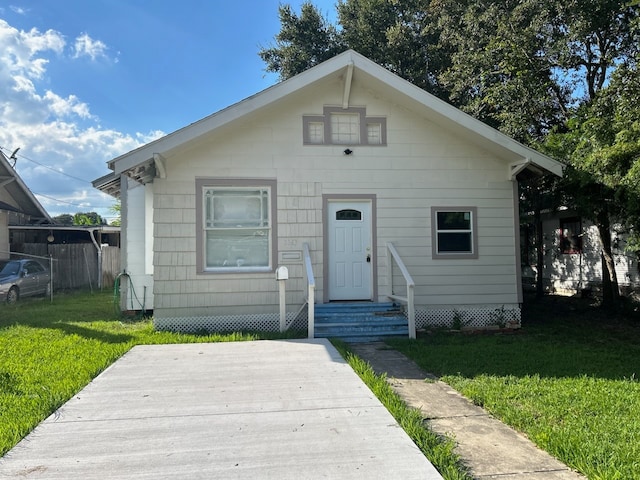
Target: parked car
{"points": [[23, 278]]}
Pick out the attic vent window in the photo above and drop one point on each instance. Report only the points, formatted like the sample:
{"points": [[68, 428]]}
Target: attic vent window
{"points": [[348, 126]]}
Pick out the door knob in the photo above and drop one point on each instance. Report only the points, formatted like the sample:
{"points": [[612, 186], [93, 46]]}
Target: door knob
{"points": [[369, 258]]}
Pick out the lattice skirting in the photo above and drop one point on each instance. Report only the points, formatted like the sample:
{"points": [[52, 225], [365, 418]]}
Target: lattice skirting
{"points": [[265, 322], [473, 317]]}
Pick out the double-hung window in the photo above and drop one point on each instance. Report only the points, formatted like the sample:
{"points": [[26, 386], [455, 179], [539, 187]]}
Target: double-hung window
{"points": [[454, 232], [237, 227]]}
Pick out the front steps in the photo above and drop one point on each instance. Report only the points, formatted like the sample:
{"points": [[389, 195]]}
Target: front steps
{"points": [[360, 321]]}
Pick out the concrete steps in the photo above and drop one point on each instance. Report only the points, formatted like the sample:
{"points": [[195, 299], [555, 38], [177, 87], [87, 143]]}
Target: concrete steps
{"points": [[360, 321]]}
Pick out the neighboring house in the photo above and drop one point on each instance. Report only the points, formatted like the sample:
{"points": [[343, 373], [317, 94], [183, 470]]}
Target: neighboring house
{"points": [[18, 206], [572, 256], [346, 158]]}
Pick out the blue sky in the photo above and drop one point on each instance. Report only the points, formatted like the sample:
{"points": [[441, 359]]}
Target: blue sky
{"points": [[83, 81]]}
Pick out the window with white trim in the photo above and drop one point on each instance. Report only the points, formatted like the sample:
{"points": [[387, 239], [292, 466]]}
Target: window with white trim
{"points": [[454, 232], [237, 230]]}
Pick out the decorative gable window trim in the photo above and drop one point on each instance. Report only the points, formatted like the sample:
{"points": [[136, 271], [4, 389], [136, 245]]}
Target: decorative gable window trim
{"points": [[344, 126]]}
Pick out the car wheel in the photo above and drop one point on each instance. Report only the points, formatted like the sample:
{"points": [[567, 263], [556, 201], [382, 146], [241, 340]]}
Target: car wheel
{"points": [[12, 295]]}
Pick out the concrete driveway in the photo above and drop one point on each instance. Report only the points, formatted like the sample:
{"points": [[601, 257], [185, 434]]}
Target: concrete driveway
{"points": [[255, 410]]}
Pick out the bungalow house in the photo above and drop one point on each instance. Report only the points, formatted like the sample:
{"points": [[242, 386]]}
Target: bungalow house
{"points": [[18, 206], [365, 187]]}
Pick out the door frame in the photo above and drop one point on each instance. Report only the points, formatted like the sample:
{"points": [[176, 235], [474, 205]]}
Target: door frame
{"points": [[334, 197]]}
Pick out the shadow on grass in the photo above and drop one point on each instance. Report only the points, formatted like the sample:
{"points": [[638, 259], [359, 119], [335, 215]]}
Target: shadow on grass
{"points": [[90, 333], [91, 316], [560, 337]]}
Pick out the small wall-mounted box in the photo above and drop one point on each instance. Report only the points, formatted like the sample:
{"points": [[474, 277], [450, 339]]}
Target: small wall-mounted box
{"points": [[282, 273]]}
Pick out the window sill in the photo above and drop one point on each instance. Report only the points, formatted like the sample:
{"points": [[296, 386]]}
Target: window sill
{"points": [[213, 271]]}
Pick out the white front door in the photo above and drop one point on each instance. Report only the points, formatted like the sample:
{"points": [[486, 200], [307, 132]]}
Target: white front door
{"points": [[350, 250]]}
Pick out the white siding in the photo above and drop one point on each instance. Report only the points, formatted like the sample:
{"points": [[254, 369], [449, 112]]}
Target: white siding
{"points": [[570, 273], [421, 166]]}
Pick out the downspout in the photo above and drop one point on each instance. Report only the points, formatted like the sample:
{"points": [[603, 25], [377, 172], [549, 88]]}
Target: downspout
{"points": [[99, 251]]}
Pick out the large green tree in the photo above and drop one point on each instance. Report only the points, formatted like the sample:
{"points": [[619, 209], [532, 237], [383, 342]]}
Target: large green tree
{"points": [[501, 71]]}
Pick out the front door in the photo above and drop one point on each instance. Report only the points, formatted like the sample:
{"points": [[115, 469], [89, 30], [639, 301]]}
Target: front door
{"points": [[350, 250]]}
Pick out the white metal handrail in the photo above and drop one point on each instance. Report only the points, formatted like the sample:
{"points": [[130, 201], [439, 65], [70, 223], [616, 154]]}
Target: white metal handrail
{"points": [[409, 299], [311, 290]]}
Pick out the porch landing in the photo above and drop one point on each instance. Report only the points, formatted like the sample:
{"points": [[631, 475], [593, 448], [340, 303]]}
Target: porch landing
{"points": [[267, 409]]}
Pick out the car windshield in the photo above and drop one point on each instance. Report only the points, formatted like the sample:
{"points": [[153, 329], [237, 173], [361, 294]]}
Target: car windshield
{"points": [[9, 268]]}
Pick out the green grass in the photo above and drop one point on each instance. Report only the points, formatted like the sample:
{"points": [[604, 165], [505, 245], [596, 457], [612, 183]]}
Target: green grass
{"points": [[568, 380], [49, 351], [438, 450]]}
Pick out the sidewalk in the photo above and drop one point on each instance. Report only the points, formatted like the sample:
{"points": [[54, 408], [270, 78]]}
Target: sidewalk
{"points": [[489, 448]]}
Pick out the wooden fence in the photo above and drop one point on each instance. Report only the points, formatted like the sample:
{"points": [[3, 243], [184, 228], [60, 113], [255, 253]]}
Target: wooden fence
{"points": [[75, 265]]}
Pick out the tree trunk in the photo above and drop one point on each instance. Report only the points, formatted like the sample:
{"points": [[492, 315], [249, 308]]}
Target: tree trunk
{"points": [[610, 292]]}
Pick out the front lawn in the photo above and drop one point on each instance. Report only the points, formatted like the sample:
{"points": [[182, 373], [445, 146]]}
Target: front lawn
{"points": [[569, 380]]}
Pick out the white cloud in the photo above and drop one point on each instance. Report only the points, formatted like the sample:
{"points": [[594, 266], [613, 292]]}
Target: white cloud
{"points": [[62, 107], [55, 132], [18, 10], [86, 46]]}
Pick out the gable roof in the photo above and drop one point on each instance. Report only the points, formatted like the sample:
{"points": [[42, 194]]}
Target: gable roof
{"points": [[24, 200], [146, 162]]}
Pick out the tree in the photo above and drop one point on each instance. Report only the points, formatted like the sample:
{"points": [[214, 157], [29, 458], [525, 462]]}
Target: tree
{"points": [[601, 142], [303, 42], [501, 71], [397, 35], [88, 218], [116, 210]]}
